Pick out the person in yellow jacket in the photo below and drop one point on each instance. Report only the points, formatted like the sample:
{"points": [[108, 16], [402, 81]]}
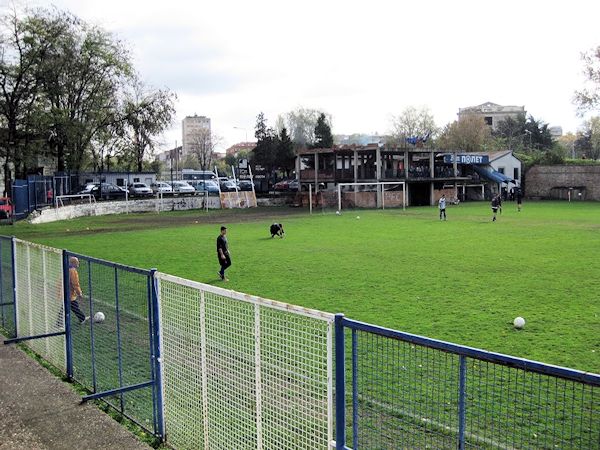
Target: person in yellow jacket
{"points": [[75, 289]]}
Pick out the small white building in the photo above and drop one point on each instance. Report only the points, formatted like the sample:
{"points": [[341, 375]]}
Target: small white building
{"points": [[119, 178], [507, 164]]}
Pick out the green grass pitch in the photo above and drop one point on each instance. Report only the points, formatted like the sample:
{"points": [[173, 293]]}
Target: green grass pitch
{"points": [[463, 280]]}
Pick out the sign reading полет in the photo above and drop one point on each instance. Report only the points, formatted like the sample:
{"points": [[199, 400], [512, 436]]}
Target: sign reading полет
{"points": [[467, 159]]}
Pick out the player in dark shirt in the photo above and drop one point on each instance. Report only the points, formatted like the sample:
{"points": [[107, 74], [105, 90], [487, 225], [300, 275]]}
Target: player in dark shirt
{"points": [[519, 200], [223, 253], [496, 203]]}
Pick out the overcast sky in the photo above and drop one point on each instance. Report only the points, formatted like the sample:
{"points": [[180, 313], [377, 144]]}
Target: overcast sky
{"points": [[360, 61]]}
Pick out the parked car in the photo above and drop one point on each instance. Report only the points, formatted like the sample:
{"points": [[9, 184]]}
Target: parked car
{"points": [[6, 208], [140, 190], [87, 189], [161, 187], [244, 185], [294, 185], [109, 192], [182, 187], [228, 186], [283, 185], [205, 186]]}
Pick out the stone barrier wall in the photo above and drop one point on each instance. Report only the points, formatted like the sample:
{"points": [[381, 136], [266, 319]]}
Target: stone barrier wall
{"points": [[560, 182]]}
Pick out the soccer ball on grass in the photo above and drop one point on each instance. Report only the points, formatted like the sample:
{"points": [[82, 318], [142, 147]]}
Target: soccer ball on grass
{"points": [[519, 323], [99, 317]]}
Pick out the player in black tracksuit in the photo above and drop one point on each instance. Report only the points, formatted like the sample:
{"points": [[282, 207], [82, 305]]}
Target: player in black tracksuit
{"points": [[496, 203], [223, 253]]}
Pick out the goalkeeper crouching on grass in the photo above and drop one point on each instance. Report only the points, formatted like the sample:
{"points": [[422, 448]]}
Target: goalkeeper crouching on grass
{"points": [[75, 289]]}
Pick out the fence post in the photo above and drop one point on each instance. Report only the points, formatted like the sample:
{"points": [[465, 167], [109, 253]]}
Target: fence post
{"points": [[462, 401], [354, 389], [67, 314], [340, 388], [158, 393], [13, 257]]}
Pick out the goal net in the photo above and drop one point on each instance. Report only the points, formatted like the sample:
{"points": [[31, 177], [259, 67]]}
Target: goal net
{"points": [[380, 195]]}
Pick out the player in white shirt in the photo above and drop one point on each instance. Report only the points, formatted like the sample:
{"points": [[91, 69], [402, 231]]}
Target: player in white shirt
{"points": [[442, 206]]}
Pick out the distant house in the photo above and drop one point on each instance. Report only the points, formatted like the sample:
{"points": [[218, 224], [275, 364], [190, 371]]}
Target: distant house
{"points": [[240, 147], [492, 113]]}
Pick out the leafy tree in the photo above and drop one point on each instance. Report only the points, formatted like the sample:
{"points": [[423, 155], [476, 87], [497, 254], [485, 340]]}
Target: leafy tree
{"points": [[146, 114], [323, 136], [469, 134], [523, 134], [412, 123], [265, 152], [512, 131], [588, 140], [588, 99], [81, 78], [24, 45], [539, 133], [191, 162], [286, 157]]}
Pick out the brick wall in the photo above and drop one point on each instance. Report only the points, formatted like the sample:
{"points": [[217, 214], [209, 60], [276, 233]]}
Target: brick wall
{"points": [[550, 182]]}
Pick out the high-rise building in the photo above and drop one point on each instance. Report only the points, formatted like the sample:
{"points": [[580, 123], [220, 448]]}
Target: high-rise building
{"points": [[194, 128]]}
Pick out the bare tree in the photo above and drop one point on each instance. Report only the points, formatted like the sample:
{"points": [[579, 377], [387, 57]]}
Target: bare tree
{"points": [[301, 123], [588, 99], [203, 146], [413, 123]]}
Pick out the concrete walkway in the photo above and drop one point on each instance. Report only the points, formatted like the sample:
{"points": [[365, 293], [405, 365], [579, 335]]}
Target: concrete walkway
{"points": [[40, 412]]}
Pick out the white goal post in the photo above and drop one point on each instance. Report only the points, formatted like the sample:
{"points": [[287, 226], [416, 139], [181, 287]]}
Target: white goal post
{"points": [[58, 201], [379, 188]]}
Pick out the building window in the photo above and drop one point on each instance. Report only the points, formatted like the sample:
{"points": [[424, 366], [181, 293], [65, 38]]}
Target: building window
{"points": [[516, 173], [501, 170], [488, 120], [136, 180], [120, 182]]}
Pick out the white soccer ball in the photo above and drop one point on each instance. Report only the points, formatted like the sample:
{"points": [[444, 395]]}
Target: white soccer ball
{"points": [[358, 217], [337, 212], [519, 323], [99, 317]]}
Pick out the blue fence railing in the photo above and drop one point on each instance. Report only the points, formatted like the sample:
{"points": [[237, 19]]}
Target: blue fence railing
{"points": [[406, 391], [117, 361]]}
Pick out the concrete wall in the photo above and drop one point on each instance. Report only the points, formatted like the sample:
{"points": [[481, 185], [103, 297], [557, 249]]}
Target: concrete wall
{"points": [[121, 207], [549, 182]]}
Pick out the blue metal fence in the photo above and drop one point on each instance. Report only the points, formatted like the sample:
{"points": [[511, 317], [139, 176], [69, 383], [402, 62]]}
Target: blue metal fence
{"points": [[408, 391], [116, 359], [8, 311]]}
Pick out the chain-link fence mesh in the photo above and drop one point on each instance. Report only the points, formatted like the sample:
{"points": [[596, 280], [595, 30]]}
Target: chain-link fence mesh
{"points": [[7, 297], [242, 372], [39, 280], [116, 352]]}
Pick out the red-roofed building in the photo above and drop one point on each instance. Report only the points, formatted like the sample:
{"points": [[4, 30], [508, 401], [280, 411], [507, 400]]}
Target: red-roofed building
{"points": [[239, 147]]}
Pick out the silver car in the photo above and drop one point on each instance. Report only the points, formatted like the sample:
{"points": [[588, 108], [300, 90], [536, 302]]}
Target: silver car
{"points": [[140, 190], [182, 187], [161, 187]]}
